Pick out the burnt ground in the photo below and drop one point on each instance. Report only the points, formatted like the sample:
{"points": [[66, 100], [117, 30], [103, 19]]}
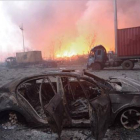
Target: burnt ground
{"points": [[21, 132]]}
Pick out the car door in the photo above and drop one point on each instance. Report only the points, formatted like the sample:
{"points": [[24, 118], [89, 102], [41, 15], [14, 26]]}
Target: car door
{"points": [[99, 113], [56, 111]]}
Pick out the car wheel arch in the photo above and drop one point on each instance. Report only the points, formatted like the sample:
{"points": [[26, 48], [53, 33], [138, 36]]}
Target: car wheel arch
{"points": [[120, 111], [21, 115]]}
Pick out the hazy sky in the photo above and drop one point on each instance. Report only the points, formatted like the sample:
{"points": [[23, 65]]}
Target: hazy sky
{"points": [[62, 25]]}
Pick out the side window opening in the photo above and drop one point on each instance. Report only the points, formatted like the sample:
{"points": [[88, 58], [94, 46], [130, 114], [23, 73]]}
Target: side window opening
{"points": [[31, 88], [91, 90], [99, 52], [75, 97], [77, 92], [92, 53]]}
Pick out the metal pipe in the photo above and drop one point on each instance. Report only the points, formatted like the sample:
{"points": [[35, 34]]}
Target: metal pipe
{"points": [[23, 41], [23, 38], [115, 26]]}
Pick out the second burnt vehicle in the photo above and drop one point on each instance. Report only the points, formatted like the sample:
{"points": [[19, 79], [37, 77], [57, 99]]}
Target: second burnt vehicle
{"points": [[63, 98]]}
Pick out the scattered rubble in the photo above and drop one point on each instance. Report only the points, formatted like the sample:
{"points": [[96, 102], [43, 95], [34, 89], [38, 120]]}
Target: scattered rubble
{"points": [[11, 123]]}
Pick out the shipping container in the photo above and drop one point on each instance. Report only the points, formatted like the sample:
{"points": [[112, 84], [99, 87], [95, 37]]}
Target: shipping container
{"points": [[29, 57], [129, 42]]}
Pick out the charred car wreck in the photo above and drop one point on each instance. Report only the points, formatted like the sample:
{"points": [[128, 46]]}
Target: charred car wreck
{"points": [[62, 98]]}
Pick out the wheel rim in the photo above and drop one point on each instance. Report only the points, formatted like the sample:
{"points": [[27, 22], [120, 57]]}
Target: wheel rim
{"points": [[130, 119], [127, 65]]}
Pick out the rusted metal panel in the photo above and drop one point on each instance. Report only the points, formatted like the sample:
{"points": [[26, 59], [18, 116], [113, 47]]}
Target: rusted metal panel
{"points": [[29, 57], [129, 42]]}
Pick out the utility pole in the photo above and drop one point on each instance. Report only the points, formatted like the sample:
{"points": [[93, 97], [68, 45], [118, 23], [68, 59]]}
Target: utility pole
{"points": [[21, 28], [115, 26]]}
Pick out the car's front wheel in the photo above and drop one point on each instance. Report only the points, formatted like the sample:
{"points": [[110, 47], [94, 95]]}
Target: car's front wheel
{"points": [[130, 119], [97, 66]]}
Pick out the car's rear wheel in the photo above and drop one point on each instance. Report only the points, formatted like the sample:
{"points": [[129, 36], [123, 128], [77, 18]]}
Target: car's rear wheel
{"points": [[130, 119], [10, 119]]}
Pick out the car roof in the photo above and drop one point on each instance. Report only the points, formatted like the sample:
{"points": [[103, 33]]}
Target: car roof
{"points": [[11, 86]]}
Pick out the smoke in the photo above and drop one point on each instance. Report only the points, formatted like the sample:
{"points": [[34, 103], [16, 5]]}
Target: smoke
{"points": [[128, 11], [63, 26]]}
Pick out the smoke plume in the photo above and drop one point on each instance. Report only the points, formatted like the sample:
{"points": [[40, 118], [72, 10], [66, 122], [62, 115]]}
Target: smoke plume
{"points": [[63, 27]]}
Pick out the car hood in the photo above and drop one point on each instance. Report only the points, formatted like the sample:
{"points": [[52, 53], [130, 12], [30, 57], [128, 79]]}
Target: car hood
{"points": [[127, 83]]}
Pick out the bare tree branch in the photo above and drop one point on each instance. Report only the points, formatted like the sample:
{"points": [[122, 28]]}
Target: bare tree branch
{"points": [[90, 40]]}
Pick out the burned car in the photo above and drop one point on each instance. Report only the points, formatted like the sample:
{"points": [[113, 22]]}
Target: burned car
{"points": [[62, 98]]}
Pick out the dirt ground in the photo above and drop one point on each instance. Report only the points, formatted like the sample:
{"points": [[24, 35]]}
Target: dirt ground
{"points": [[22, 132]]}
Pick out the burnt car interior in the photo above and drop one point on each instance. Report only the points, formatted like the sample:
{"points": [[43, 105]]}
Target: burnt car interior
{"points": [[76, 92], [30, 91]]}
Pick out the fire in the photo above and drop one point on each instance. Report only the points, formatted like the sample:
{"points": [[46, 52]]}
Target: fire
{"points": [[66, 54], [79, 47]]}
